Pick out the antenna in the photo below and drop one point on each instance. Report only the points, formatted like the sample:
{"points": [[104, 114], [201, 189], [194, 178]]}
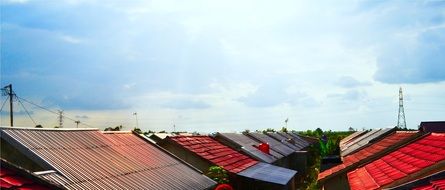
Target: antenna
{"points": [[60, 118], [401, 122]]}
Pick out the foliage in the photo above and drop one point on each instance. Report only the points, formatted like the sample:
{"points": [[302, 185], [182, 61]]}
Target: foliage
{"points": [[218, 174], [137, 130], [284, 129], [117, 128], [268, 130], [39, 126]]}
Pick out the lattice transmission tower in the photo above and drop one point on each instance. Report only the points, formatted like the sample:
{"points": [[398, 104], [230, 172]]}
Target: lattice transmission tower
{"points": [[401, 122]]}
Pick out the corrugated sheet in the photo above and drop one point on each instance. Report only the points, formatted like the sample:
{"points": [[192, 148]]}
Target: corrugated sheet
{"points": [[89, 159], [14, 177], [365, 139], [215, 152], [273, 144], [364, 154], [417, 157], [249, 146], [295, 139], [351, 137], [284, 140], [269, 173]]}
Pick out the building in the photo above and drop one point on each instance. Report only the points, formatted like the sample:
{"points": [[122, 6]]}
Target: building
{"points": [[91, 159], [432, 126], [244, 172], [336, 178], [15, 177], [418, 159]]}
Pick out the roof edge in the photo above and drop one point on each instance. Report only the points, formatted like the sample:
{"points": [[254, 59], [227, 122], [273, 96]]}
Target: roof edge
{"points": [[48, 129]]}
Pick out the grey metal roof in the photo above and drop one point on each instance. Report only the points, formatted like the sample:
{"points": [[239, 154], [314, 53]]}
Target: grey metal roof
{"points": [[296, 139], [269, 173], [273, 144], [248, 146], [90, 159], [284, 140], [352, 136], [365, 139]]}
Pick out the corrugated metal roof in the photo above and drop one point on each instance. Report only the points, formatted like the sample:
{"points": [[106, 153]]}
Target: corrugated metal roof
{"points": [[351, 137], [391, 140], [90, 159], [249, 147], [297, 140], [269, 173], [215, 152], [418, 156], [284, 140], [274, 144], [365, 139]]}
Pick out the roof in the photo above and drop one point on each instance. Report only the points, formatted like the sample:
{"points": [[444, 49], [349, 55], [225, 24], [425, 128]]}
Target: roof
{"points": [[433, 181], [295, 139], [275, 145], [364, 154], [215, 152], [284, 140], [416, 157], [433, 126], [14, 177], [248, 146], [351, 137], [436, 184], [310, 140], [90, 159], [269, 173], [364, 140]]}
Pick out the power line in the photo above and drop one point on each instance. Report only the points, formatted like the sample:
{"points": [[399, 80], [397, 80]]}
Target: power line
{"points": [[51, 111], [29, 115], [3, 104]]}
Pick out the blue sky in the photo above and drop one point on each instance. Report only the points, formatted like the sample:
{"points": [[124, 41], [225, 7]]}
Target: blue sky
{"points": [[226, 65]]}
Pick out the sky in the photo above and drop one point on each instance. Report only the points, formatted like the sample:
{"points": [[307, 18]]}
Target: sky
{"points": [[225, 66]]}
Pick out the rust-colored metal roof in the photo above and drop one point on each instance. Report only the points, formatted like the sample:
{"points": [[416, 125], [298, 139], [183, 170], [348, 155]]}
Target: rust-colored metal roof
{"points": [[90, 159]]}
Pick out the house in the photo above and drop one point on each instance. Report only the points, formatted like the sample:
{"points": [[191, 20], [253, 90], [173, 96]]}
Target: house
{"points": [[296, 140], [364, 140], [244, 172], [434, 181], [418, 159], [15, 177], [92, 159], [351, 137], [249, 147], [335, 177], [432, 126]]}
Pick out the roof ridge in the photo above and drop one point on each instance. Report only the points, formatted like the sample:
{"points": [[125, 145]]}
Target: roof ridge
{"points": [[47, 129]]}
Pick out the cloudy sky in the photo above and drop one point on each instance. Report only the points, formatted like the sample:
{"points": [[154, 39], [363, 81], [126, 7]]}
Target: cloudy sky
{"points": [[224, 65]]}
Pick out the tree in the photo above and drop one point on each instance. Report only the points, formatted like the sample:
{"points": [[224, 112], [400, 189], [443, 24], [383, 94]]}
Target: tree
{"points": [[218, 174], [117, 128], [39, 126], [137, 130], [351, 129], [284, 129]]}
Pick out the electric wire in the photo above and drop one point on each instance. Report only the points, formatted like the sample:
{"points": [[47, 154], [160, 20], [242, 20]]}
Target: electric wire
{"points": [[3, 104], [54, 112], [29, 115]]}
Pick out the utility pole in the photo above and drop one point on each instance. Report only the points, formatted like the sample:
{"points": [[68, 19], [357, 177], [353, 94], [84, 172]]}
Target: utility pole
{"points": [[401, 122], [77, 123], [7, 90], [60, 118], [137, 122]]}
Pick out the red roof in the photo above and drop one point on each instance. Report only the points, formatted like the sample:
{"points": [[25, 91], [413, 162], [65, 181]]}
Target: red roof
{"points": [[373, 149], [13, 178], [215, 152], [436, 184], [399, 164]]}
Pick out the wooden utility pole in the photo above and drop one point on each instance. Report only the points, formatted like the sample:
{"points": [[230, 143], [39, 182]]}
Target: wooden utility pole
{"points": [[7, 90]]}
